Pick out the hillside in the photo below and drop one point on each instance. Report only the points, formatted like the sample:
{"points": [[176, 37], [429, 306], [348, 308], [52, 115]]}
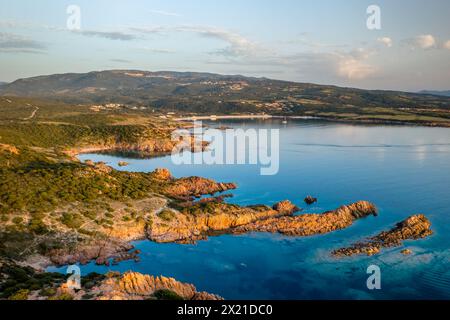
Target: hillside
{"points": [[220, 94], [445, 93]]}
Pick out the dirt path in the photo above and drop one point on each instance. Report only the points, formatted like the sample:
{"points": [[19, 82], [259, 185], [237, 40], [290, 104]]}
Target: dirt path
{"points": [[33, 114]]}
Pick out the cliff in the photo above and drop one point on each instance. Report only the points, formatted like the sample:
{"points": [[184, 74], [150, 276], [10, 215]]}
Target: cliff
{"points": [[24, 283]]}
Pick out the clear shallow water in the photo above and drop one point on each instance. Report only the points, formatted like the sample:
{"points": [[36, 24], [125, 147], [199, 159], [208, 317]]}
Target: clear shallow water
{"points": [[403, 170]]}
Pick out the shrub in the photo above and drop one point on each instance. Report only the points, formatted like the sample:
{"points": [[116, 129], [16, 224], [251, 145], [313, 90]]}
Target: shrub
{"points": [[167, 215], [47, 292], [73, 221], [165, 294], [17, 220], [22, 294], [63, 296]]}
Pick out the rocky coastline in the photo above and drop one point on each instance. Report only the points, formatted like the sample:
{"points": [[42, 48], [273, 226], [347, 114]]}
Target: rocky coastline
{"points": [[413, 228], [177, 213]]}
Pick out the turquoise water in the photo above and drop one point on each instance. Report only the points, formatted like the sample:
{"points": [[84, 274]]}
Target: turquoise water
{"points": [[403, 170]]}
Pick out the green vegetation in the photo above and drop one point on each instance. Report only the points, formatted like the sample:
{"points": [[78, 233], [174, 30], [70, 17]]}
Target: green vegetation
{"points": [[21, 280], [92, 279], [167, 295], [22, 294], [211, 208], [72, 220], [202, 93], [50, 202], [41, 187], [167, 215], [63, 296]]}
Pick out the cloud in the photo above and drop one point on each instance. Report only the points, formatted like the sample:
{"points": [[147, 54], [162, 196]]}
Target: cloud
{"points": [[354, 69], [112, 35], [165, 13], [353, 65], [153, 50], [386, 41], [349, 65], [14, 43], [447, 45], [426, 41], [237, 44], [121, 60]]}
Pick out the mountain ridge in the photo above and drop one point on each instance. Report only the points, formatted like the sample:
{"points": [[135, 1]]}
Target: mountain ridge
{"points": [[210, 93]]}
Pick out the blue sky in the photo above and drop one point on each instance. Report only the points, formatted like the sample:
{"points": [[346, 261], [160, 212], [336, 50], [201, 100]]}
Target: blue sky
{"points": [[321, 41]]}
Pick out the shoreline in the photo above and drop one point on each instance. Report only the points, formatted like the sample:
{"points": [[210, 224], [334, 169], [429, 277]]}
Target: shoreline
{"points": [[328, 119]]}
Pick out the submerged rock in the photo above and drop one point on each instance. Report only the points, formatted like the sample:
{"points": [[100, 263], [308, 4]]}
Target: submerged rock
{"points": [[406, 252], [413, 228]]}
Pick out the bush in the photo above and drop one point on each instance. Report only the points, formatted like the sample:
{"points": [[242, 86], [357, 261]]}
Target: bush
{"points": [[167, 215], [73, 221], [63, 296], [20, 295], [166, 294], [47, 292], [17, 220]]}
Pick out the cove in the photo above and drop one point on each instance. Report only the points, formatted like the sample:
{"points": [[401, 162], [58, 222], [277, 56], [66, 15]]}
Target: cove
{"points": [[404, 170]]}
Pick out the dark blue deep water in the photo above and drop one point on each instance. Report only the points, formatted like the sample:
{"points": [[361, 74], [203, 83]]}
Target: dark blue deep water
{"points": [[403, 170]]}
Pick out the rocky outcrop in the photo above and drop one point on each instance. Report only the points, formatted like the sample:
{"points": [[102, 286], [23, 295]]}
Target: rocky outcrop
{"points": [[286, 207], [162, 174], [9, 148], [25, 283], [136, 286], [143, 146], [101, 251], [406, 252], [312, 224], [194, 187], [197, 222], [310, 200], [413, 228]]}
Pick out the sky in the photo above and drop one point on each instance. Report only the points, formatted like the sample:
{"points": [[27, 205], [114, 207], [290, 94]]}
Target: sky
{"points": [[317, 41]]}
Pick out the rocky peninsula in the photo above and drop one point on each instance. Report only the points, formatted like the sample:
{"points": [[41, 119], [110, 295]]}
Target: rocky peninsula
{"points": [[413, 228]]}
